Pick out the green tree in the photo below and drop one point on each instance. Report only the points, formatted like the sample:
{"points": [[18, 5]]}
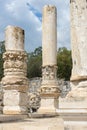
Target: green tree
{"points": [[34, 63], [64, 62], [2, 50]]}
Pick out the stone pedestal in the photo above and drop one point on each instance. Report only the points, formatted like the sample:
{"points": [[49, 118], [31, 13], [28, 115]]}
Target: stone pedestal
{"points": [[15, 83], [49, 89]]}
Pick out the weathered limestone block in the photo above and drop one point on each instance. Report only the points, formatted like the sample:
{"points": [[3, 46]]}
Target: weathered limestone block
{"points": [[20, 98], [15, 102]]}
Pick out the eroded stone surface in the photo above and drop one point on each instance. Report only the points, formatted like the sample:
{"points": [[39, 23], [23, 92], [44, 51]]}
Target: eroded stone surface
{"points": [[79, 39], [14, 38]]}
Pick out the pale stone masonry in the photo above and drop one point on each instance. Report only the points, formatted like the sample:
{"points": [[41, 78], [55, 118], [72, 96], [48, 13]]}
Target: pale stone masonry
{"points": [[49, 88], [79, 39], [79, 54], [15, 83], [74, 105]]}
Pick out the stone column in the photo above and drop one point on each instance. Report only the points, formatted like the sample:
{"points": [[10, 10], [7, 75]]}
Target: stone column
{"points": [[15, 83], [76, 99], [79, 52], [79, 39], [49, 88]]}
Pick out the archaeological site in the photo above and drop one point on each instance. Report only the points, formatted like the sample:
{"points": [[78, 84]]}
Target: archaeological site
{"points": [[37, 104]]}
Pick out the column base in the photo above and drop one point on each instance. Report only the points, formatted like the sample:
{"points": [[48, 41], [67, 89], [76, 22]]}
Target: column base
{"points": [[15, 102], [76, 100], [48, 105]]}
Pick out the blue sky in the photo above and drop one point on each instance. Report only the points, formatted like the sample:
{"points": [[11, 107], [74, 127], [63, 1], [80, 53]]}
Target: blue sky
{"points": [[27, 14]]}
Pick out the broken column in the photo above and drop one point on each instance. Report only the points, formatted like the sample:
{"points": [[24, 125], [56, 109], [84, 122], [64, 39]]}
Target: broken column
{"points": [[49, 89], [15, 83]]}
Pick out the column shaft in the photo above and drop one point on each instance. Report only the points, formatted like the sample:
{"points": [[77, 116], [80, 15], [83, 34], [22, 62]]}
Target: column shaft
{"points": [[79, 39], [49, 35], [76, 100]]}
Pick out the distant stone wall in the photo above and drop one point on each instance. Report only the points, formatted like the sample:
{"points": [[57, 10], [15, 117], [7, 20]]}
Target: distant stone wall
{"points": [[35, 84]]}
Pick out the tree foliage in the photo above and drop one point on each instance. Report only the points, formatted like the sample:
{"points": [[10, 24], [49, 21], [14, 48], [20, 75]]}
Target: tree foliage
{"points": [[34, 63], [64, 63], [2, 50]]}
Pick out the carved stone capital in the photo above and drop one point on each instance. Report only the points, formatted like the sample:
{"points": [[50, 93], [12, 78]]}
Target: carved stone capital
{"points": [[15, 61], [49, 72], [15, 55], [49, 87]]}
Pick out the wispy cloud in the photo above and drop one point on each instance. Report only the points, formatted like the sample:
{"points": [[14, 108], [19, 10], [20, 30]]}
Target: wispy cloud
{"points": [[35, 11]]}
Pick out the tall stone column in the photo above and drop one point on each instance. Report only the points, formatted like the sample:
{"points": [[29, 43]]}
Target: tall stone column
{"points": [[76, 99], [15, 83], [79, 51], [79, 39], [49, 88]]}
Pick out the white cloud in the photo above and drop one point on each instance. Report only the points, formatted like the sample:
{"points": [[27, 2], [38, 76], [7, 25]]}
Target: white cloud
{"points": [[19, 14]]}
